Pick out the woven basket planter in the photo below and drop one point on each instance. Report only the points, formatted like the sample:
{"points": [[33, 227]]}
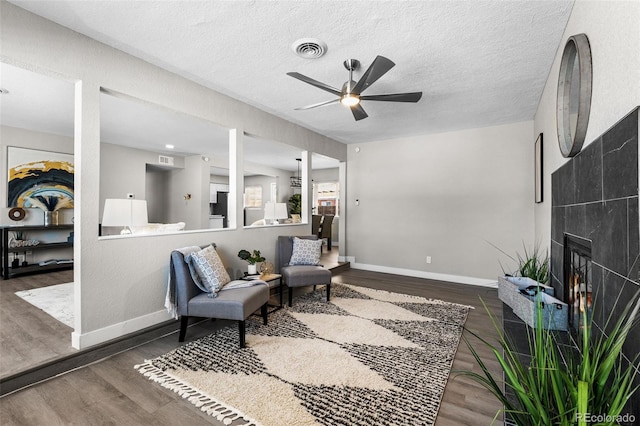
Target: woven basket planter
{"points": [[554, 311]]}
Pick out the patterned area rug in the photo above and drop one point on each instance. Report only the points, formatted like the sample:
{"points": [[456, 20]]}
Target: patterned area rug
{"points": [[56, 300], [368, 357]]}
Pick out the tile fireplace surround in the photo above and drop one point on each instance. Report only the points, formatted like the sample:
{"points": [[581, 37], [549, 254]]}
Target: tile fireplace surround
{"points": [[595, 197]]}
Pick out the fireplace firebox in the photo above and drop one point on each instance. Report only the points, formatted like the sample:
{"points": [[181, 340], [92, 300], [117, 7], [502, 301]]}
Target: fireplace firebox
{"points": [[577, 281]]}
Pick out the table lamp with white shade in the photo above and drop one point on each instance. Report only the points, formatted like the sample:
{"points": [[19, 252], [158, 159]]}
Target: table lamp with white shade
{"points": [[275, 212], [124, 212]]}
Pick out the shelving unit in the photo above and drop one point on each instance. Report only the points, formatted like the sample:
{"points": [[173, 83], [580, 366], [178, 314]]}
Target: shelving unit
{"points": [[8, 271]]}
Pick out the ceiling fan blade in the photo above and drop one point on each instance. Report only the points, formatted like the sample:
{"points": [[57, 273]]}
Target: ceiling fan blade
{"points": [[394, 97], [358, 112], [333, 101], [379, 67], [315, 83]]}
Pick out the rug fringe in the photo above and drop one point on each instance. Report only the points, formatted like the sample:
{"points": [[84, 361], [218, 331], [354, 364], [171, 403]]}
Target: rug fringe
{"points": [[206, 403]]}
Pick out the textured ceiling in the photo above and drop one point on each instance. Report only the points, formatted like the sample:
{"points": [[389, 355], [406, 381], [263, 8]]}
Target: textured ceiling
{"points": [[478, 63]]}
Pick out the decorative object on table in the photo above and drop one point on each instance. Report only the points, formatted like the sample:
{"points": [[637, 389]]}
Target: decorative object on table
{"points": [[19, 239], [35, 173], [266, 268], [382, 352], [50, 205], [125, 213], [538, 163], [17, 214], [13, 243], [574, 94], [275, 212], [251, 259]]}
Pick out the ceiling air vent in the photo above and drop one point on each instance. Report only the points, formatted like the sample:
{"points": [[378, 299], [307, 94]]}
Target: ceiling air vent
{"points": [[164, 160], [309, 48]]}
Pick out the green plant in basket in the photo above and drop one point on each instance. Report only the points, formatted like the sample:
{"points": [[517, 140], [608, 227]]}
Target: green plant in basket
{"points": [[534, 265], [563, 387], [530, 264]]}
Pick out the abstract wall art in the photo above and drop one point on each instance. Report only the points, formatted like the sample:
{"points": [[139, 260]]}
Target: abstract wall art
{"points": [[39, 179]]}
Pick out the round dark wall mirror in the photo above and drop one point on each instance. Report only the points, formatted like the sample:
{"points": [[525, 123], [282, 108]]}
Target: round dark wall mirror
{"points": [[574, 95]]}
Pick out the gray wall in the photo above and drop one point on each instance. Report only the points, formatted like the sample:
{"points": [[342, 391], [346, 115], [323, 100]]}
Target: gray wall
{"points": [[450, 196]]}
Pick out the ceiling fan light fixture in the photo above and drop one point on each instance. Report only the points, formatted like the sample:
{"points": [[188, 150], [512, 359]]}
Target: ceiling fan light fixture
{"points": [[349, 100], [351, 93]]}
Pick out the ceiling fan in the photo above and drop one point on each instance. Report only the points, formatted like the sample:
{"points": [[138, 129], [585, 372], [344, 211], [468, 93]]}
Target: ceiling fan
{"points": [[351, 93]]}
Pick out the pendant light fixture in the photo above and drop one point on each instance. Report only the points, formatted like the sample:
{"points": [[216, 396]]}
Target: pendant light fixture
{"points": [[296, 181]]}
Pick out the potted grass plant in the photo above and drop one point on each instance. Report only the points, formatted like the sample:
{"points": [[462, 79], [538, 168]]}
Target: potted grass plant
{"points": [[563, 387]]}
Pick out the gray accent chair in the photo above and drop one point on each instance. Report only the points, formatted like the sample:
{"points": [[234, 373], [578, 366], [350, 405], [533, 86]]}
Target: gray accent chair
{"points": [[300, 275], [236, 304]]}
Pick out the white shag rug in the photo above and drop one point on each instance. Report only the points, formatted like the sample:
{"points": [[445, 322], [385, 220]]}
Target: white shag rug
{"points": [[368, 357], [55, 300]]}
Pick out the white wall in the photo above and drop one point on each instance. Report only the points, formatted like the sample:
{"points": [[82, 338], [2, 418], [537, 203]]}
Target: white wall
{"points": [[120, 283], [449, 196], [613, 31]]}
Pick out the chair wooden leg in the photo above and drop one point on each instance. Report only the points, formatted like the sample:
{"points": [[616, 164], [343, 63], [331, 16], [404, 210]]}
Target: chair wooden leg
{"points": [[242, 330], [184, 321], [290, 290], [329, 244], [328, 291], [264, 314]]}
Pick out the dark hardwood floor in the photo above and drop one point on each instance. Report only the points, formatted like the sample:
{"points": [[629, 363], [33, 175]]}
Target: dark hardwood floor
{"points": [[112, 392], [29, 336]]}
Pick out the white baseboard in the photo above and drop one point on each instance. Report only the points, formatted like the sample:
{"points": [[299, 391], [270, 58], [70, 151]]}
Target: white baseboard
{"points": [[101, 335], [422, 274]]}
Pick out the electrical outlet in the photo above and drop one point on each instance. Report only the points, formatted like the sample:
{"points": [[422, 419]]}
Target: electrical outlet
{"points": [[428, 259]]}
